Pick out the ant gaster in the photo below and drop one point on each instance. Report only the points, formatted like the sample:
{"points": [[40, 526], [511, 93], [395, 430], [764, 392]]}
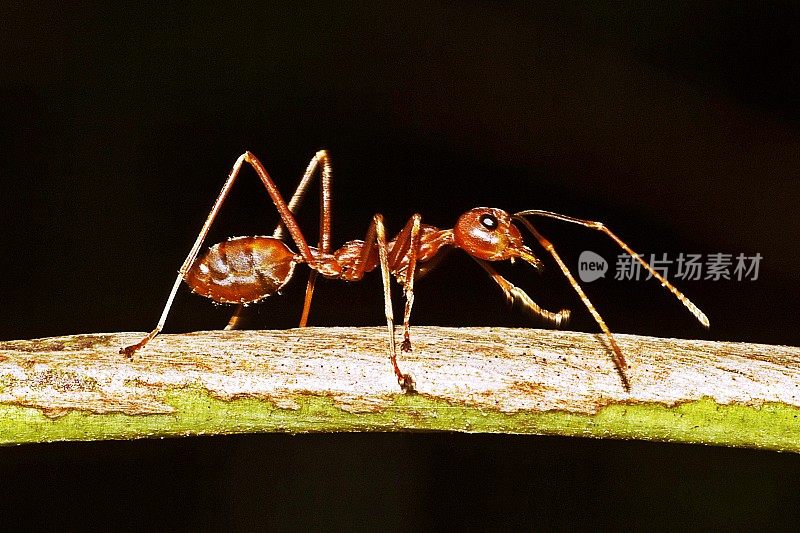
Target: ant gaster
{"points": [[244, 270]]}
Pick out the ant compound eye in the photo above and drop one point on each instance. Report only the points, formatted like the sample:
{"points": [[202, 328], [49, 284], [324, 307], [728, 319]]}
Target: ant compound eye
{"points": [[489, 221]]}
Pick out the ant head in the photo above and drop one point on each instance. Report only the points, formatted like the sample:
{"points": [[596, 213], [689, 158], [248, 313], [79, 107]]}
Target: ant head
{"points": [[487, 233]]}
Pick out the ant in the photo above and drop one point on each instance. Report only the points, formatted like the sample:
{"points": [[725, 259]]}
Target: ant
{"points": [[245, 270]]}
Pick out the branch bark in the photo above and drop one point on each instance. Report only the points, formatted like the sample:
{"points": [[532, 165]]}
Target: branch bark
{"points": [[339, 379]]}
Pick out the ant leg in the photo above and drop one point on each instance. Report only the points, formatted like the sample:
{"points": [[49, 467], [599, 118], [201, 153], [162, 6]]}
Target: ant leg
{"points": [[516, 295], [405, 380], [408, 285], [376, 235], [321, 158], [599, 226], [130, 350], [233, 323], [406, 245], [286, 217], [324, 221], [618, 358], [312, 279]]}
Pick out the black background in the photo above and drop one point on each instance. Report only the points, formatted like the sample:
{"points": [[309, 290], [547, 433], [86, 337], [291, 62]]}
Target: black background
{"points": [[678, 127]]}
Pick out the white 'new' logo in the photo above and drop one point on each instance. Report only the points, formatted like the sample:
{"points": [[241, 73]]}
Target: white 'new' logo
{"points": [[591, 266]]}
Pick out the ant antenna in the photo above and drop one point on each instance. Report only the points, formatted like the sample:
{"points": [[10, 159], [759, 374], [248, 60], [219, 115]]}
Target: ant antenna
{"points": [[599, 226]]}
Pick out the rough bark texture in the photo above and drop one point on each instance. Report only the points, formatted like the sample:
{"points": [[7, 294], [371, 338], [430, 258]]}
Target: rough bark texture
{"points": [[340, 379]]}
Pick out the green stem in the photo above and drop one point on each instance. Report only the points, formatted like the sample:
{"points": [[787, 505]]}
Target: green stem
{"points": [[340, 379]]}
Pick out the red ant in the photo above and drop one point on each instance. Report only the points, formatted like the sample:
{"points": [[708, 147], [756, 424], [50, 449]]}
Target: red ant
{"points": [[245, 270]]}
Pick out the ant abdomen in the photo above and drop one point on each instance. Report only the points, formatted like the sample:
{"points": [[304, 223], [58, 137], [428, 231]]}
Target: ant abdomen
{"points": [[242, 270]]}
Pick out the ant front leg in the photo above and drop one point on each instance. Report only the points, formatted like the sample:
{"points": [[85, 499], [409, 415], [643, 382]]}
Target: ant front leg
{"points": [[516, 295], [619, 359]]}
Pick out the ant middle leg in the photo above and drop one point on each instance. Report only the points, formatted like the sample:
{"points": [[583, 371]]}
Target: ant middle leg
{"points": [[406, 246], [406, 381], [376, 236]]}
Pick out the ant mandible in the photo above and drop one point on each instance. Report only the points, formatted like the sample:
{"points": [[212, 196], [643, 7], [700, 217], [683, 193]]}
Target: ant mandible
{"points": [[245, 270]]}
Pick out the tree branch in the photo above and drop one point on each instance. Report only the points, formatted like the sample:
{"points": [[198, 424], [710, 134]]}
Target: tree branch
{"points": [[339, 379]]}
